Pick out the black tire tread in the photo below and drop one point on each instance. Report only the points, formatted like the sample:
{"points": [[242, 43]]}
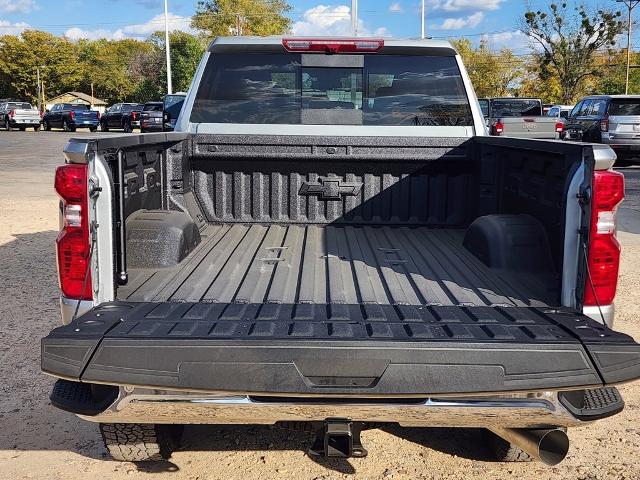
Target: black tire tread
{"points": [[136, 442]]}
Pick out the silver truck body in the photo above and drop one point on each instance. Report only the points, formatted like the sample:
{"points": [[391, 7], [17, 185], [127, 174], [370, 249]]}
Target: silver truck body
{"points": [[317, 397]]}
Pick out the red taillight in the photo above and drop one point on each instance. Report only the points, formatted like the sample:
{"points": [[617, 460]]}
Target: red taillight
{"points": [[72, 114], [370, 45], [498, 128], [134, 115], [41, 114], [603, 258], [72, 244], [604, 124], [559, 127], [12, 113]]}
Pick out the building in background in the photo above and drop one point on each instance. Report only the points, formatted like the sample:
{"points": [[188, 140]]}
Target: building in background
{"points": [[77, 97]]}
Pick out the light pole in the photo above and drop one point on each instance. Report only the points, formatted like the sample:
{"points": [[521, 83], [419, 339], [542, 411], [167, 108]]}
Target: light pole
{"points": [[630, 4], [39, 87], [168, 47], [354, 17], [422, 20]]}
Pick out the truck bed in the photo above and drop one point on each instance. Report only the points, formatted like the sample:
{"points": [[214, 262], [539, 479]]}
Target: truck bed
{"points": [[350, 265]]}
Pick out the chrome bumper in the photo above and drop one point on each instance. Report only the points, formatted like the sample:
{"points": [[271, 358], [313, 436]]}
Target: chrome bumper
{"points": [[525, 410]]}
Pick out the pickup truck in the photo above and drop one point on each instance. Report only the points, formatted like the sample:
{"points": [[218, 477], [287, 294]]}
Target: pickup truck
{"points": [[151, 117], [329, 239], [19, 115], [71, 116], [125, 116], [520, 117]]}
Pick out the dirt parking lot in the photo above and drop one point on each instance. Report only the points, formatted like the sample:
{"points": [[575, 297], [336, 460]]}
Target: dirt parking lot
{"points": [[38, 441]]}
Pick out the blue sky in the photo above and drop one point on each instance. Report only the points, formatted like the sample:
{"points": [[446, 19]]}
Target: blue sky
{"points": [[499, 19]]}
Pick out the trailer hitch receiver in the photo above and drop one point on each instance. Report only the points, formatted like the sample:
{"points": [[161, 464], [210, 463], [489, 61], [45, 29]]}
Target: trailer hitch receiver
{"points": [[338, 438]]}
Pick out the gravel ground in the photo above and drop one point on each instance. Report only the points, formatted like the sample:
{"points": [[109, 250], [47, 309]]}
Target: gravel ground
{"points": [[38, 441]]}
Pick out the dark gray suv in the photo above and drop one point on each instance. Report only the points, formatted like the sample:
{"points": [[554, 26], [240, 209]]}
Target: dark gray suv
{"points": [[610, 119]]}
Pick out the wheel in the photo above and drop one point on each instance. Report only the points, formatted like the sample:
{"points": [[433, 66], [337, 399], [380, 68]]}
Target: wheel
{"points": [[127, 127], [104, 127], [504, 451], [138, 442], [93, 129], [47, 127], [7, 127], [36, 128], [66, 127]]}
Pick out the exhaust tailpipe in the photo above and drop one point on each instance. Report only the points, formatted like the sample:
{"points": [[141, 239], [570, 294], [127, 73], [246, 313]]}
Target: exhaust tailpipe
{"points": [[550, 446]]}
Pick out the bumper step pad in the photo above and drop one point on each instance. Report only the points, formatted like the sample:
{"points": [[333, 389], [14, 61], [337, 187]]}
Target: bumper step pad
{"points": [[339, 349]]}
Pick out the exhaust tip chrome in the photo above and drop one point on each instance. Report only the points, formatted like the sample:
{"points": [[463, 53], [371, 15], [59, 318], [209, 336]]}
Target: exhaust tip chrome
{"points": [[550, 445]]}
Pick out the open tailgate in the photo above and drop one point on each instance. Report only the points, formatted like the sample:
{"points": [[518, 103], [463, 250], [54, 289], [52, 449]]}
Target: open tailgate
{"points": [[339, 349]]}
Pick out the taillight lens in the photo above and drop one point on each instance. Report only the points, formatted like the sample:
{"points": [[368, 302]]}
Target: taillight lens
{"points": [[134, 115], [604, 124], [603, 257], [559, 127], [72, 244], [498, 128], [12, 113], [338, 45], [72, 114]]}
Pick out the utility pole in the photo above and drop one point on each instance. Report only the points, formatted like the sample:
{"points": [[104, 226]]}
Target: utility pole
{"points": [[354, 17], [39, 89], [630, 4], [422, 20], [167, 47]]}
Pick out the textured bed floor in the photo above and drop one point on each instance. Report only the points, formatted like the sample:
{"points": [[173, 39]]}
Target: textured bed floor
{"points": [[335, 265]]}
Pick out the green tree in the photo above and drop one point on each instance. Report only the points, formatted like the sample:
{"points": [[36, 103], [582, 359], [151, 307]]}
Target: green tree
{"points": [[569, 38], [186, 53], [216, 18], [21, 56], [492, 74]]}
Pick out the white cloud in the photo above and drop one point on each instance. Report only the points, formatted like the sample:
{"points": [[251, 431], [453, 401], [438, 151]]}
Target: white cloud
{"points": [[176, 22], [462, 22], [142, 30], [76, 33], [396, 8], [17, 6], [514, 40], [466, 5], [8, 28], [332, 20]]}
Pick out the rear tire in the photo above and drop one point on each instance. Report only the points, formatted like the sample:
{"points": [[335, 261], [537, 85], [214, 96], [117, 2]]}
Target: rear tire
{"points": [[127, 127], [22, 129], [65, 126], [93, 129], [47, 127], [504, 451], [138, 442], [36, 129], [104, 127]]}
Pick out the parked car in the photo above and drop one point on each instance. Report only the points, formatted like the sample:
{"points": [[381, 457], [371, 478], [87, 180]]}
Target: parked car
{"points": [[172, 105], [305, 251], [70, 116], [21, 115], [560, 111], [520, 117], [125, 116], [151, 117], [610, 119]]}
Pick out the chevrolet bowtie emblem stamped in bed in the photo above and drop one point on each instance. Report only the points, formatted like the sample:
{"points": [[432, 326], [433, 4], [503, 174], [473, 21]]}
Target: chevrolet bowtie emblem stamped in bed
{"points": [[330, 189]]}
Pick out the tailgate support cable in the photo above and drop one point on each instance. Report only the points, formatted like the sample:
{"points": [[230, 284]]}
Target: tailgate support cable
{"points": [[593, 288], [94, 227], [121, 233]]}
